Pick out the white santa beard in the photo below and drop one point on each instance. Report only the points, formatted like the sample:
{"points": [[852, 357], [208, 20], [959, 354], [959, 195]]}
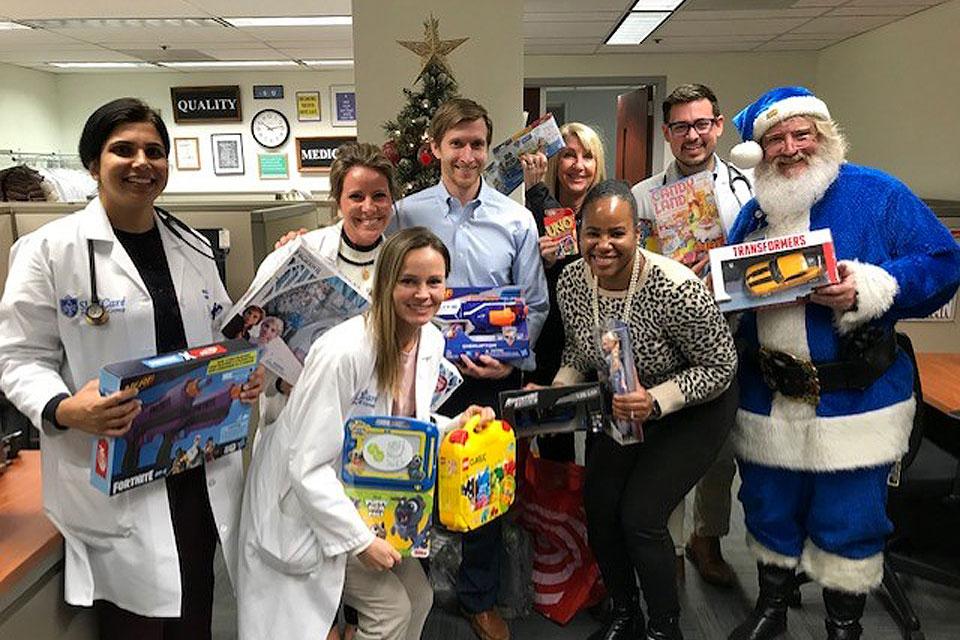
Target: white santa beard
{"points": [[783, 197]]}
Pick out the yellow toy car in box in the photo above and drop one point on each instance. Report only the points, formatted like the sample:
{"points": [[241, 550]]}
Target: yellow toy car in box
{"points": [[477, 474], [782, 272]]}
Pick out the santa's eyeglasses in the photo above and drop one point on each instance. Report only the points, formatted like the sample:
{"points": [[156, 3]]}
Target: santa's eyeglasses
{"points": [[679, 128]]}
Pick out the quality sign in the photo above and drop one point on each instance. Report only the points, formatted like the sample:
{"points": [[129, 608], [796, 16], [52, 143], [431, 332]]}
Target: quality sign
{"points": [[206, 104]]}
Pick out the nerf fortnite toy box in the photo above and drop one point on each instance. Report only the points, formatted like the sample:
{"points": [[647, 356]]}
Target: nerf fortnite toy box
{"points": [[577, 407], [191, 414], [287, 308], [389, 471], [477, 474], [772, 271], [476, 320]]}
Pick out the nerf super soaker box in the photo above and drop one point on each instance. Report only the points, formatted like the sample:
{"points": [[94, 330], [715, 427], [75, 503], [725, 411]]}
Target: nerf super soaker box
{"points": [[191, 414], [483, 321], [389, 471], [478, 464]]}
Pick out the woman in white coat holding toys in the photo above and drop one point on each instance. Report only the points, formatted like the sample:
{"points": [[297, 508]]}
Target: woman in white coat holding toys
{"points": [[302, 541]]}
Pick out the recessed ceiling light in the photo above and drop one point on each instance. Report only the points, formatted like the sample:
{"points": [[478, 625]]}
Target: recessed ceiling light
{"points": [[328, 63], [229, 63], [303, 21], [637, 26], [124, 23], [9, 26], [100, 65], [656, 5]]}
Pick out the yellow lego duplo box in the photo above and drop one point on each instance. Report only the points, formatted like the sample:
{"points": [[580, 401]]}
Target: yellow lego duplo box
{"points": [[477, 474]]}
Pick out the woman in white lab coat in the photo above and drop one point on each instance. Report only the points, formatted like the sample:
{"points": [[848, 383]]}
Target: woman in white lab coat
{"points": [[116, 281], [299, 531]]}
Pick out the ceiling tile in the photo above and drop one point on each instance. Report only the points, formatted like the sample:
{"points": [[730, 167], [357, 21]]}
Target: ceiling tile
{"points": [[902, 10], [843, 25], [818, 3], [121, 36], [729, 27], [59, 9], [567, 29], [552, 50], [750, 14], [795, 45], [287, 34], [546, 6], [259, 8], [573, 16]]}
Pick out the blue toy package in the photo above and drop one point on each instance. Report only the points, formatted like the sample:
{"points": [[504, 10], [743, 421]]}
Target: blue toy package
{"points": [[619, 373], [389, 470], [191, 414], [484, 321]]}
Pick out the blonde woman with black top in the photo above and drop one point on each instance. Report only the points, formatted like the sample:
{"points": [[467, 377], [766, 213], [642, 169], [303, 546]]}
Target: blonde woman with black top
{"points": [[685, 360]]}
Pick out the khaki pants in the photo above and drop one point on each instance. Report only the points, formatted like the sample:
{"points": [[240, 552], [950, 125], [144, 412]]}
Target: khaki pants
{"points": [[711, 502], [391, 605]]}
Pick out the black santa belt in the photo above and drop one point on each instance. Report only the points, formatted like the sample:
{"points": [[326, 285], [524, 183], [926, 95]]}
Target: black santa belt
{"points": [[866, 354]]}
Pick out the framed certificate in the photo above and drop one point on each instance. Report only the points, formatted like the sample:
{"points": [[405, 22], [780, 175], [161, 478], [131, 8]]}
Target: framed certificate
{"points": [[186, 153], [343, 105], [227, 153]]}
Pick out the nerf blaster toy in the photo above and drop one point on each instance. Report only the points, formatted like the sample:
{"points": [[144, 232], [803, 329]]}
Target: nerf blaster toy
{"points": [[477, 321]]}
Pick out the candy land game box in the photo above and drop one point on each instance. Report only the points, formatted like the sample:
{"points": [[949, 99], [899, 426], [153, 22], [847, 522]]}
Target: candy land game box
{"points": [[388, 469], [191, 414]]}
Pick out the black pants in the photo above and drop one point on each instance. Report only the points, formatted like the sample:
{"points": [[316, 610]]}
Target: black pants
{"points": [[196, 534], [479, 577], [630, 492]]}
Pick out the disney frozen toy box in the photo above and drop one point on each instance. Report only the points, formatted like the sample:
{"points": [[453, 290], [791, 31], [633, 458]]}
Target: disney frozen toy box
{"points": [[389, 470], [191, 414]]}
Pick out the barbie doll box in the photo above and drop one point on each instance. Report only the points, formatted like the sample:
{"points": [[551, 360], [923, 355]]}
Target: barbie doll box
{"points": [[288, 307], [389, 471], [772, 271], [477, 321], [477, 474], [191, 414]]}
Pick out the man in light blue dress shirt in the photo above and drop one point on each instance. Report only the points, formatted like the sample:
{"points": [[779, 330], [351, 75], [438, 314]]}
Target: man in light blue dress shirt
{"points": [[493, 241]]}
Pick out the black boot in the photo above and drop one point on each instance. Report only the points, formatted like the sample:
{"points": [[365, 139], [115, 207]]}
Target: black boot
{"points": [[664, 629], [626, 621], [844, 611], [769, 618]]}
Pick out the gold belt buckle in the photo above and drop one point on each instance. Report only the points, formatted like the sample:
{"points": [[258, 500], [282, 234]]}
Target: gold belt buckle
{"points": [[791, 376]]}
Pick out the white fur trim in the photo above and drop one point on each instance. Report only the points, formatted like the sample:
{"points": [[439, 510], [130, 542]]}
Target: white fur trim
{"points": [[746, 155], [787, 108], [843, 574], [856, 441], [876, 289], [769, 556]]}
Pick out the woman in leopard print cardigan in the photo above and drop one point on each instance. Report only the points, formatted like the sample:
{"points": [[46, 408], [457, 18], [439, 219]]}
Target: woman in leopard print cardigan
{"points": [[685, 360]]}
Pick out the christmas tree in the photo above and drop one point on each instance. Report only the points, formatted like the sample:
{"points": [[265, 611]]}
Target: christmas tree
{"points": [[407, 142]]}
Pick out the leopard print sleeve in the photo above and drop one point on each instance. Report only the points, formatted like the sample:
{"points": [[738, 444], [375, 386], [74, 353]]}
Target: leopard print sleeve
{"points": [[698, 329]]}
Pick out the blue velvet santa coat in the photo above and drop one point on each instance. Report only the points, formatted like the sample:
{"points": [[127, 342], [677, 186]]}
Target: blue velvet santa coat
{"points": [[906, 265]]}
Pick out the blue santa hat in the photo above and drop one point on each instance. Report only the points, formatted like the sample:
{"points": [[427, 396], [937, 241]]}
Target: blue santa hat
{"points": [[769, 109]]}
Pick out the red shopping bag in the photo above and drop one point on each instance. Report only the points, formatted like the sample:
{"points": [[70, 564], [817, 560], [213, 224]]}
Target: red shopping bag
{"points": [[566, 578]]}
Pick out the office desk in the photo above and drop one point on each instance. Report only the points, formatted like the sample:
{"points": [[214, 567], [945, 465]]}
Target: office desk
{"points": [[940, 377]]}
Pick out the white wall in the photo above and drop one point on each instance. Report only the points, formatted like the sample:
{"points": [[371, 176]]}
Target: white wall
{"points": [[896, 92], [596, 108], [29, 110], [88, 91]]}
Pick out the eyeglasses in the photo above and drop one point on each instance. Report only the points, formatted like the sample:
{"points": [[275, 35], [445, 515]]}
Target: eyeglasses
{"points": [[776, 142], [700, 125]]}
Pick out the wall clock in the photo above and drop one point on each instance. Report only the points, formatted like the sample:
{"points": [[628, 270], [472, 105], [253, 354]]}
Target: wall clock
{"points": [[270, 128]]}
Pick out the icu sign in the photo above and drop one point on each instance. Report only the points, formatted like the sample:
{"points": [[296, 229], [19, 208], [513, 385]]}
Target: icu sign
{"points": [[316, 155], [206, 104]]}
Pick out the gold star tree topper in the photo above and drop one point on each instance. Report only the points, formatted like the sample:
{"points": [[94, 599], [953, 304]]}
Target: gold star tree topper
{"points": [[432, 48]]}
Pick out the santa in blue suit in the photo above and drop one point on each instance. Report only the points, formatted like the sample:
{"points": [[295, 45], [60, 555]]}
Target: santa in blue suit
{"points": [[827, 399]]}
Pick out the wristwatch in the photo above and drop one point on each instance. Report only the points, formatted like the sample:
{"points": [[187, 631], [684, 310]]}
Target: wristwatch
{"points": [[655, 412]]}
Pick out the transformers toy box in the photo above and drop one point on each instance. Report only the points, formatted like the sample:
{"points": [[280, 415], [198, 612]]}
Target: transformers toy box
{"points": [[389, 471], [477, 475], [577, 407], [772, 271], [191, 414], [477, 321]]}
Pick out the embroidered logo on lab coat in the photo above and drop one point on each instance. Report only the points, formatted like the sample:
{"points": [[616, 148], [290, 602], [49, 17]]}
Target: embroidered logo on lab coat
{"points": [[363, 398], [69, 306]]}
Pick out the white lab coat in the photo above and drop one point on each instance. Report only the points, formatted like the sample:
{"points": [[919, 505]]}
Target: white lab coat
{"points": [[298, 525], [731, 196], [120, 548]]}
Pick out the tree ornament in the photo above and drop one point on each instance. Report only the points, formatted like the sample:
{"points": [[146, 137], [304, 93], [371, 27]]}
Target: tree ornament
{"points": [[391, 152], [425, 155]]}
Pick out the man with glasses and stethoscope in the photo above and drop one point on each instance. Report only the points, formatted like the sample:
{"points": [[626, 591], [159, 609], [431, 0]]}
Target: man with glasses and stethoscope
{"points": [[692, 125]]}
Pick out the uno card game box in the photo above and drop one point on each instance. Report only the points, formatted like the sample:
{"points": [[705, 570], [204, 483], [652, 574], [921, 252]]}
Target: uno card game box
{"points": [[561, 225], [191, 413], [578, 407], [477, 321], [772, 271], [477, 474], [389, 471]]}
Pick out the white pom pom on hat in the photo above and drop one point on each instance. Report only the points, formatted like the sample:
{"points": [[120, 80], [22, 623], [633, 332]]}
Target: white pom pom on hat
{"points": [[746, 155]]}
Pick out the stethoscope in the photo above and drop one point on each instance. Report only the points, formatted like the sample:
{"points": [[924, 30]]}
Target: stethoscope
{"points": [[96, 314], [733, 174]]}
